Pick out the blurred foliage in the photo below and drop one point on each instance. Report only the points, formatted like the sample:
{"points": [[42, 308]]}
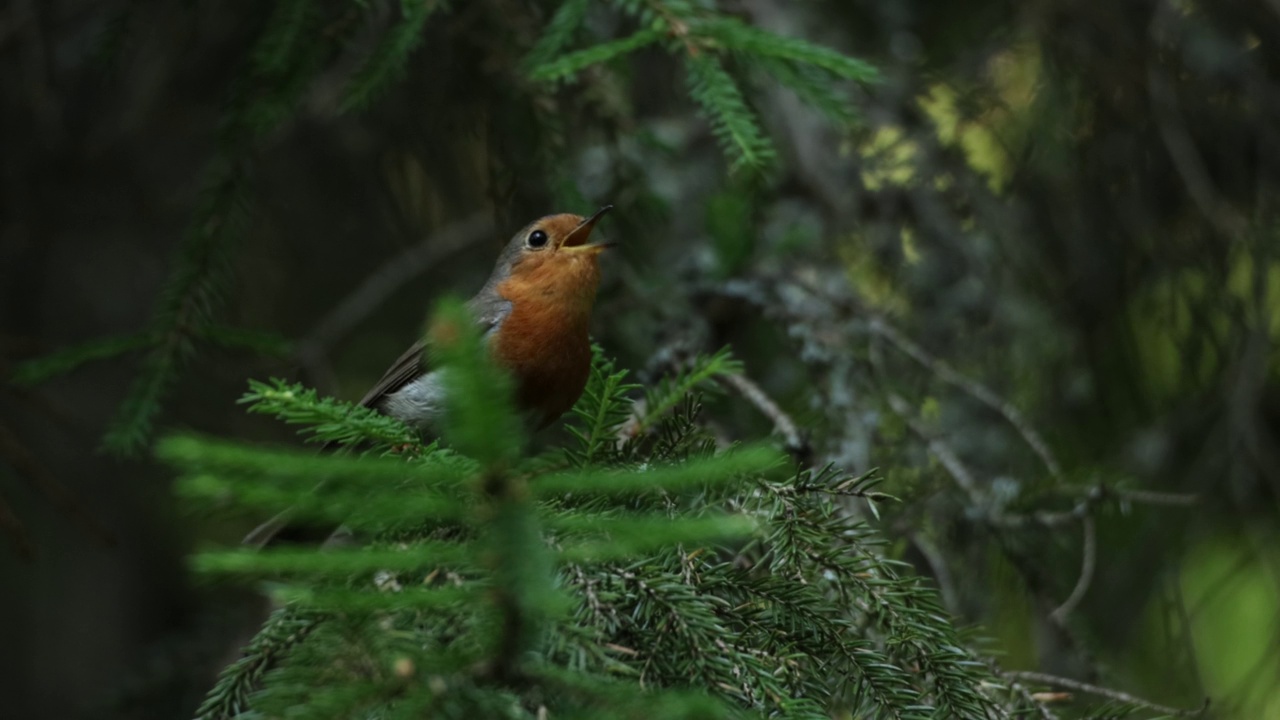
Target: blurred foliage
{"points": [[713, 584], [1028, 267]]}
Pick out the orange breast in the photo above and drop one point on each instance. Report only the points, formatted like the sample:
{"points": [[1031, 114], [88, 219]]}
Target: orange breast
{"points": [[543, 341]]}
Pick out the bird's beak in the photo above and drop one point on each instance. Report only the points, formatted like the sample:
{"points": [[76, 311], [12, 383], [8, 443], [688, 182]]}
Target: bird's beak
{"points": [[576, 240]]}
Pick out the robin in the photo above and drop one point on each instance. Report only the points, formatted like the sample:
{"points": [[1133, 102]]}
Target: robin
{"points": [[533, 312]]}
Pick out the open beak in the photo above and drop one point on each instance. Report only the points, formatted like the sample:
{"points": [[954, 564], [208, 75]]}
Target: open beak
{"points": [[576, 240]]}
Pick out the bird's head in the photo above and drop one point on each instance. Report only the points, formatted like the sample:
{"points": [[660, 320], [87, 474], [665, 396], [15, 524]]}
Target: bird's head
{"points": [[552, 259]]}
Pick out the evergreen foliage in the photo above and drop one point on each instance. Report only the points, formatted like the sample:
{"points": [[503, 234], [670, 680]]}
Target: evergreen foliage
{"points": [[1040, 358], [300, 39], [633, 570], [291, 51], [386, 63], [703, 39]]}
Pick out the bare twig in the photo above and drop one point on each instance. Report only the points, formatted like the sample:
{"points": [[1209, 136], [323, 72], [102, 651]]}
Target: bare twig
{"points": [[940, 449], [979, 391], [1151, 497], [797, 444], [384, 281], [1084, 507], [1088, 563], [1124, 697], [1178, 141], [1029, 698], [1184, 619], [941, 571]]}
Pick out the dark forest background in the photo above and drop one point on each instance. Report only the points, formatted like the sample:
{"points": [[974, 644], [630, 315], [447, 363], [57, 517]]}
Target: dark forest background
{"points": [[1025, 263]]}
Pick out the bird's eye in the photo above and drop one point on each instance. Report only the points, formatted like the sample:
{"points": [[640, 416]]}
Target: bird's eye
{"points": [[537, 239]]}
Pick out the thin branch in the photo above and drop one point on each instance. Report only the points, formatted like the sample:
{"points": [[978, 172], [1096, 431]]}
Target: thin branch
{"points": [[1028, 697], [1088, 564], [1116, 695], [1177, 138], [979, 391], [1043, 518], [796, 443], [1184, 618], [941, 572], [1151, 497], [940, 449], [387, 279], [1084, 507]]}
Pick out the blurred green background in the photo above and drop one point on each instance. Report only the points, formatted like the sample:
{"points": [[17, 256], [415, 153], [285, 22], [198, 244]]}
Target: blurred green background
{"points": [[1031, 273]]}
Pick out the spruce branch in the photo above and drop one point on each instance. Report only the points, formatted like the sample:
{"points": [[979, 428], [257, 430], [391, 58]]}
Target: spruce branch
{"points": [[675, 477], [186, 305], [346, 562], [566, 66], [386, 63], [669, 392], [722, 104], [601, 410], [230, 697], [299, 470], [283, 39], [278, 71], [812, 85], [326, 420], [62, 362], [677, 566], [733, 34], [67, 360], [557, 35], [621, 536]]}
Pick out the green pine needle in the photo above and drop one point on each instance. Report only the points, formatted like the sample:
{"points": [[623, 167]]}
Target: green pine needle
{"points": [[733, 34], [721, 469], [670, 391], [42, 369], [602, 409], [722, 104], [558, 33], [326, 420], [386, 63], [566, 66]]}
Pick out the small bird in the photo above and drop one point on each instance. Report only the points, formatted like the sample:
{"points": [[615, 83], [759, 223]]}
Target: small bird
{"points": [[534, 314]]}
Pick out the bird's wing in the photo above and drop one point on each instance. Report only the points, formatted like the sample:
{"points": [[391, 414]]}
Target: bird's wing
{"points": [[488, 312], [407, 367]]}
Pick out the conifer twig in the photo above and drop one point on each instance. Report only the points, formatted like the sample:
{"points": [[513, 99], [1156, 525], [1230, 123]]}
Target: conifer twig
{"points": [[941, 572], [1117, 695], [939, 448], [1029, 698], [1088, 562], [980, 392], [796, 443]]}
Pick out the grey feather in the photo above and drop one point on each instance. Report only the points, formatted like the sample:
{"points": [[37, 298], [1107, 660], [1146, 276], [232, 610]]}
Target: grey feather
{"points": [[419, 402]]}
